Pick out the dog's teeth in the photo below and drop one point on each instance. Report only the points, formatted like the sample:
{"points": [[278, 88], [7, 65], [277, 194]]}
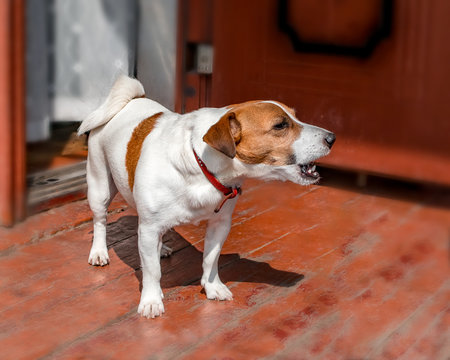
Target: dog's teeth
{"points": [[313, 168]]}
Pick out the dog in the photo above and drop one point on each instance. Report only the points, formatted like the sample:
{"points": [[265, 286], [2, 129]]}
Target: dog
{"points": [[177, 169]]}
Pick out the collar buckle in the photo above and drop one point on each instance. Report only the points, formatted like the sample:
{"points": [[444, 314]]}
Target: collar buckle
{"points": [[234, 192]]}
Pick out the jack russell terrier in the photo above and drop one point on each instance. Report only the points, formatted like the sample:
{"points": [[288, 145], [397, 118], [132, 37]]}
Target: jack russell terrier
{"points": [[176, 169]]}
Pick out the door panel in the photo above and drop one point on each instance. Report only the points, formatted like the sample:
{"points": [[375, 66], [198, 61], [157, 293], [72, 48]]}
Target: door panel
{"points": [[390, 109]]}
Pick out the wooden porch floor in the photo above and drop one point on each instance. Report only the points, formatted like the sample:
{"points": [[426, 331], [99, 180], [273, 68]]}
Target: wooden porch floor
{"points": [[329, 272]]}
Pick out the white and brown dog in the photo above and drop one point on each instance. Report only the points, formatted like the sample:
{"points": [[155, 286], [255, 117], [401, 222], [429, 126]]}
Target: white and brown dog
{"points": [[163, 164]]}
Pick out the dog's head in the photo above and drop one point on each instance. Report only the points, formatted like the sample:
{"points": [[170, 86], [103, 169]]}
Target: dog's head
{"points": [[268, 138]]}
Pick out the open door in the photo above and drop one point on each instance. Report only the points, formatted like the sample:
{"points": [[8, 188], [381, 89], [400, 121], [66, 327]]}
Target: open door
{"points": [[75, 51], [71, 52], [375, 72]]}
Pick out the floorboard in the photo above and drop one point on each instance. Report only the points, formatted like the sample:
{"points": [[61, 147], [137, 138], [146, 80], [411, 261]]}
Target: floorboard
{"points": [[329, 271]]}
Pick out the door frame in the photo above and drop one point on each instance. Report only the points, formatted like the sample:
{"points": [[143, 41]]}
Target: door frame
{"points": [[12, 109], [194, 28]]}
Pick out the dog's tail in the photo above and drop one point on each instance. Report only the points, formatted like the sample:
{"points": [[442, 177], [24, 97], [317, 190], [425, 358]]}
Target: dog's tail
{"points": [[123, 91]]}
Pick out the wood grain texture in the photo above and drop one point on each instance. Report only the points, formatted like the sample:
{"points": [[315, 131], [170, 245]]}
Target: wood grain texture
{"points": [[328, 271], [395, 100]]}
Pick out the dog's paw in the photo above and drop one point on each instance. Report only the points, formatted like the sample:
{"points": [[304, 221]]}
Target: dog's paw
{"points": [[166, 251], [217, 291], [151, 308], [98, 257]]}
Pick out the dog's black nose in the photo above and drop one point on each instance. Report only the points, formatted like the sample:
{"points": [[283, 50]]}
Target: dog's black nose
{"points": [[330, 138]]}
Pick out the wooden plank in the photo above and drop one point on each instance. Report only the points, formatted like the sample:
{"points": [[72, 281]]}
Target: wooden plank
{"points": [[318, 269], [41, 227], [307, 306]]}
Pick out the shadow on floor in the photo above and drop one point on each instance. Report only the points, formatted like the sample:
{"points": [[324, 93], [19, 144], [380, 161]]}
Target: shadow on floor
{"points": [[427, 194], [184, 266]]}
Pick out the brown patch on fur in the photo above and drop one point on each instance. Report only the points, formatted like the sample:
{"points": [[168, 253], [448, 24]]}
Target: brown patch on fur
{"points": [[224, 135], [259, 142], [252, 102], [135, 145]]}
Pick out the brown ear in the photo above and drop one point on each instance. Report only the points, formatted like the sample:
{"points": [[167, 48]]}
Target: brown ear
{"points": [[224, 135]]}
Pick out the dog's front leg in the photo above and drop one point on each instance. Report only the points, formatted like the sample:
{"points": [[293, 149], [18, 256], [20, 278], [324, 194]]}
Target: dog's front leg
{"points": [[150, 242], [216, 234]]}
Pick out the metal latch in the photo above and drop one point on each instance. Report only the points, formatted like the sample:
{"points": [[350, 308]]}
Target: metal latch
{"points": [[205, 55]]}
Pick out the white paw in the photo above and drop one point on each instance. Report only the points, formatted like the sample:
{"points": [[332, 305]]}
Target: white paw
{"points": [[98, 257], [217, 291], [166, 251], [151, 308]]}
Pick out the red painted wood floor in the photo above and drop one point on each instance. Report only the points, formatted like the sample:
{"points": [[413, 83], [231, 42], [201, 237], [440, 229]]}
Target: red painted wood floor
{"points": [[327, 272]]}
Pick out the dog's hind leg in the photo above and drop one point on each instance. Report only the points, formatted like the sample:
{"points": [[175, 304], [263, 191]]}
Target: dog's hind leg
{"points": [[101, 191], [216, 234]]}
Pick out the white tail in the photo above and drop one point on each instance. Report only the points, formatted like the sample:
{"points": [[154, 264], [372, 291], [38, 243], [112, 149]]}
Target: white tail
{"points": [[123, 91]]}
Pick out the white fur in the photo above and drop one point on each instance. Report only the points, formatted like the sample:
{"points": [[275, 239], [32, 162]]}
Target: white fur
{"points": [[123, 91], [169, 187]]}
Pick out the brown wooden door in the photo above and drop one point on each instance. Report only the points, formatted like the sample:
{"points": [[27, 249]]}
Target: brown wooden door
{"points": [[389, 107]]}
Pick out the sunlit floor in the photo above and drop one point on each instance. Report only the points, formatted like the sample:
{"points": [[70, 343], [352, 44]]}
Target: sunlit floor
{"points": [[330, 271], [62, 149]]}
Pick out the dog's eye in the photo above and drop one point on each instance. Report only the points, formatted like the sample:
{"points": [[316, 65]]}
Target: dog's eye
{"points": [[281, 125]]}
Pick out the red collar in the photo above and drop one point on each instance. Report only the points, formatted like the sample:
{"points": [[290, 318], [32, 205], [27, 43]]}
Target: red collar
{"points": [[228, 192]]}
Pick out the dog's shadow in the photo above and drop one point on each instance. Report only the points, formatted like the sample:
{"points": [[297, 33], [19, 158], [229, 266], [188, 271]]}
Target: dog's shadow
{"points": [[184, 266]]}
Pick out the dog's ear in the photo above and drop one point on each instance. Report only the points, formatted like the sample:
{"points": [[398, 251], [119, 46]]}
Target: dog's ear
{"points": [[224, 135]]}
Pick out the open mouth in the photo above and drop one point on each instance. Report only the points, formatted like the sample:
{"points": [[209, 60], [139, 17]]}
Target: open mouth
{"points": [[309, 171]]}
